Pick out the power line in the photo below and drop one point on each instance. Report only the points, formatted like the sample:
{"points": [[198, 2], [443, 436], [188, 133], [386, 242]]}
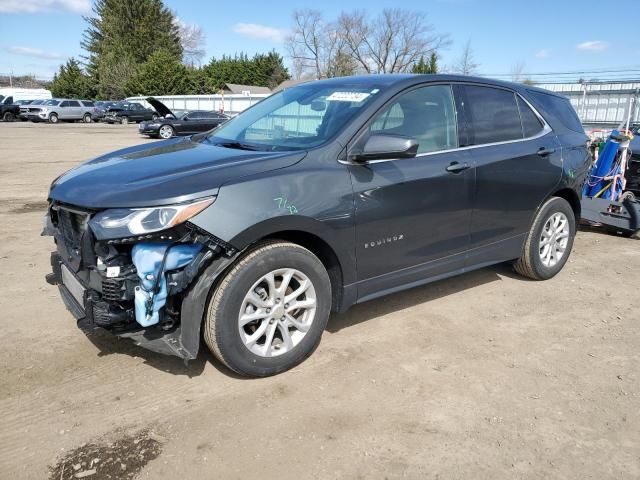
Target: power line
{"points": [[576, 72]]}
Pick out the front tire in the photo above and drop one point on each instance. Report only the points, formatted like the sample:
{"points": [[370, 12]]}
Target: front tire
{"points": [[166, 131], [8, 117], [53, 118], [269, 311], [550, 241], [124, 120]]}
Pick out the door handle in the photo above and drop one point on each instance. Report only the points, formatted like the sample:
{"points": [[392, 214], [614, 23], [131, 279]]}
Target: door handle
{"points": [[544, 151], [455, 167]]}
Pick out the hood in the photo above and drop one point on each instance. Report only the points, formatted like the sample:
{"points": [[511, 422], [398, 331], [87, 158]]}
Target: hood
{"points": [[171, 171], [160, 107]]}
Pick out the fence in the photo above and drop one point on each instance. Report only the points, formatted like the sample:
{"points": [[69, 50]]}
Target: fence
{"points": [[232, 104]]}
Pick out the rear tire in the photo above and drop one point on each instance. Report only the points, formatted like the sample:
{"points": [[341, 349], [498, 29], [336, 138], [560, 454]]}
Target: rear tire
{"points": [[550, 241], [53, 118], [86, 118], [245, 292]]}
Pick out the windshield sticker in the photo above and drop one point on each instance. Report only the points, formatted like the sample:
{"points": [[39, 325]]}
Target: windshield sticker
{"points": [[347, 96]]}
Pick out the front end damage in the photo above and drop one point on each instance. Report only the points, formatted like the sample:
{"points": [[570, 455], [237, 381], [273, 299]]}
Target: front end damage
{"points": [[135, 286]]}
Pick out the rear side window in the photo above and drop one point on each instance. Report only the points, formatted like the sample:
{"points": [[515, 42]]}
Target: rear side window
{"points": [[88, 103], [531, 124], [560, 108], [492, 115], [74, 103]]}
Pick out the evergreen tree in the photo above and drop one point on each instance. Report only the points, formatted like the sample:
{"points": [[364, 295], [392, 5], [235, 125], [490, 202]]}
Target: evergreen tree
{"points": [[71, 81], [162, 74], [123, 34], [433, 63], [426, 67], [266, 70], [420, 66]]}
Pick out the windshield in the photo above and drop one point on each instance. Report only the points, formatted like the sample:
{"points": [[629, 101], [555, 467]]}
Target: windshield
{"points": [[302, 117]]}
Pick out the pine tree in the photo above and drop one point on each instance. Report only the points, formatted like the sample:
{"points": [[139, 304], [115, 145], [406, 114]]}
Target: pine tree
{"points": [[433, 63], [423, 67], [71, 81], [123, 34], [162, 74]]}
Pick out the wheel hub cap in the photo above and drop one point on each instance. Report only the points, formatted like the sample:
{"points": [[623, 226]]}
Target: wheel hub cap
{"points": [[554, 239], [277, 312]]}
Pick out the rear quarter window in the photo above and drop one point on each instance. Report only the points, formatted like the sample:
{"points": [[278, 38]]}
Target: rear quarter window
{"points": [[531, 124], [560, 109]]}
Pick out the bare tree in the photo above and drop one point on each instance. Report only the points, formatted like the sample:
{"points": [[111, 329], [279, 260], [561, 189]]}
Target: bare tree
{"points": [[192, 39], [517, 72], [391, 42], [466, 64], [306, 43]]}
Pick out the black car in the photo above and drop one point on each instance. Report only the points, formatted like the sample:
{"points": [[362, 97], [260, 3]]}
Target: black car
{"points": [[9, 110], [170, 124], [125, 112], [320, 196], [100, 109]]}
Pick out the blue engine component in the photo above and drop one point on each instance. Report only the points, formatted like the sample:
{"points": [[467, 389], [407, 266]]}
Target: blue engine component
{"points": [[152, 261]]}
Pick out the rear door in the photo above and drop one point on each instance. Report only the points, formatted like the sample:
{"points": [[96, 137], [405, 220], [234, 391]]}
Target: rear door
{"points": [[518, 164], [75, 110], [205, 121]]}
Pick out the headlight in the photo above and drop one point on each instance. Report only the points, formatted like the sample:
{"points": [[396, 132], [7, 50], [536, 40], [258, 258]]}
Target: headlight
{"points": [[126, 222], [152, 125]]}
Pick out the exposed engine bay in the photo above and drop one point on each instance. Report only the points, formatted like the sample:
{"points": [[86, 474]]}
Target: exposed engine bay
{"points": [[131, 286]]}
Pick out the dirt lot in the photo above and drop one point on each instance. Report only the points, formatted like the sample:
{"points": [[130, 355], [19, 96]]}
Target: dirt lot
{"points": [[482, 376]]}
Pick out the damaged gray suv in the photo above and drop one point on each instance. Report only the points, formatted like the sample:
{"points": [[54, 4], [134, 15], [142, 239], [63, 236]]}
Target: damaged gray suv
{"points": [[321, 196]]}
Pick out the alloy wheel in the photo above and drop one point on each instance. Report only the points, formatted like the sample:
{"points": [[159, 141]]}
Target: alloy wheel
{"points": [[277, 312], [554, 239], [166, 131]]}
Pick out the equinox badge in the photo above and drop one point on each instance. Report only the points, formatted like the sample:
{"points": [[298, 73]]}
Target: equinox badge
{"points": [[384, 241]]}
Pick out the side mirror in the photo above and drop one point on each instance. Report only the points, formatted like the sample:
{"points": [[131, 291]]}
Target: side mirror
{"points": [[381, 147]]}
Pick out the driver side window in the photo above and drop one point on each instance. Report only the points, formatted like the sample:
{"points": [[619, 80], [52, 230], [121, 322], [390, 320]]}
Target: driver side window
{"points": [[427, 114]]}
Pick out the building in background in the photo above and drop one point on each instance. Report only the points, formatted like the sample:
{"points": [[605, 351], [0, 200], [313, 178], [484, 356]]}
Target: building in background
{"points": [[601, 105]]}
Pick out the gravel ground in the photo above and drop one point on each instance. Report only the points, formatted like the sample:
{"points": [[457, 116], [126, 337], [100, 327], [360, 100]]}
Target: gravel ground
{"points": [[486, 375]]}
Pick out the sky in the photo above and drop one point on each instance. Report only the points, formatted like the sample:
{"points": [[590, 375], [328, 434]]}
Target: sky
{"points": [[543, 36]]}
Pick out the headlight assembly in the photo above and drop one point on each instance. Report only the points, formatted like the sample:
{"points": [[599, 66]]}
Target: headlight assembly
{"points": [[126, 222]]}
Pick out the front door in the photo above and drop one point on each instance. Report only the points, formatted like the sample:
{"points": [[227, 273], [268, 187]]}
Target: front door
{"points": [[413, 215]]}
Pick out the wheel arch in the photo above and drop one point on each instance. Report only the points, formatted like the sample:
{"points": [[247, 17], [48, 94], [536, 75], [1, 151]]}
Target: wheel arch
{"points": [[325, 253], [194, 303], [572, 198]]}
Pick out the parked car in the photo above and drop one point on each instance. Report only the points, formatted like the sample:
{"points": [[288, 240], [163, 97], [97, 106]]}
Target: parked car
{"points": [[9, 110], [323, 195], [100, 109], [61, 109], [170, 124], [125, 112], [24, 108]]}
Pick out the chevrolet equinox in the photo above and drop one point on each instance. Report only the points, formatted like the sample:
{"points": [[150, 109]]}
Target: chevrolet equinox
{"points": [[319, 197]]}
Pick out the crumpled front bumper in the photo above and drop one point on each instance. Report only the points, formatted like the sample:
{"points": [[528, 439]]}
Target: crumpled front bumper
{"points": [[87, 308]]}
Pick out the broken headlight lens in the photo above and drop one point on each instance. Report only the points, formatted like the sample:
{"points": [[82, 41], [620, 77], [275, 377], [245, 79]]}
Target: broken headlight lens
{"points": [[126, 222]]}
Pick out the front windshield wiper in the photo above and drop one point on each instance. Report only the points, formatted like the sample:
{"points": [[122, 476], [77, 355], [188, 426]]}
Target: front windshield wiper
{"points": [[237, 145]]}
